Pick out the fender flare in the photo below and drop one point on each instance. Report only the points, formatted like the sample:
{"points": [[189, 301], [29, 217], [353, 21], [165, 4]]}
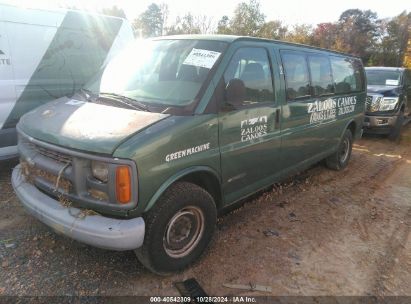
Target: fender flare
{"points": [[175, 178], [346, 127]]}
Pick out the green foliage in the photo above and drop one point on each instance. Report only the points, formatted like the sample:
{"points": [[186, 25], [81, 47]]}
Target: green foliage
{"points": [[273, 30], [223, 26], [393, 46], [301, 33], [357, 32], [247, 20], [324, 35], [151, 22]]}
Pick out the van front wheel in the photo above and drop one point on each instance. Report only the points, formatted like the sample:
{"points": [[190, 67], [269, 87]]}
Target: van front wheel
{"points": [[339, 160], [178, 228]]}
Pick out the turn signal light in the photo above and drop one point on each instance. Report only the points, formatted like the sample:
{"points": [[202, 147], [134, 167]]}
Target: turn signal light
{"points": [[123, 184]]}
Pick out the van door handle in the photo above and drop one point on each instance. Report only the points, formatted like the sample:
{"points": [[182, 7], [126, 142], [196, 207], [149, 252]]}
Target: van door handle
{"points": [[277, 118]]}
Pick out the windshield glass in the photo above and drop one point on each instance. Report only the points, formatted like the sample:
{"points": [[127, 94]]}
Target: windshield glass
{"points": [[167, 73], [382, 77]]}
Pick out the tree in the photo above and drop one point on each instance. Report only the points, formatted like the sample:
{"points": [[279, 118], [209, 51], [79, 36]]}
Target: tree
{"points": [[357, 32], [114, 11], [184, 25], [164, 16], [151, 22], [205, 24], [189, 24], [324, 35], [407, 55], [247, 20], [273, 30], [223, 26], [301, 33], [396, 40]]}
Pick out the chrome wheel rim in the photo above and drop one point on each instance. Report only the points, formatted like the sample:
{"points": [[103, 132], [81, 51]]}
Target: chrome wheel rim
{"points": [[183, 232], [345, 149]]}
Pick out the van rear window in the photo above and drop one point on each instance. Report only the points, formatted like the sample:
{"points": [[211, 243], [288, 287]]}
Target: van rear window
{"points": [[347, 75], [296, 75], [321, 79]]}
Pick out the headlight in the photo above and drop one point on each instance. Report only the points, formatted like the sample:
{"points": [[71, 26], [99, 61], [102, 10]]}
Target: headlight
{"points": [[388, 103], [100, 170]]}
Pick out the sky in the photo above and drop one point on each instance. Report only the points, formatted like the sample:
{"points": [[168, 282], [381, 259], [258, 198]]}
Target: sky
{"points": [[289, 11]]}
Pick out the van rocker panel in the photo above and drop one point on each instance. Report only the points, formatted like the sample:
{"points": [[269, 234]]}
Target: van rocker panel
{"points": [[94, 230]]}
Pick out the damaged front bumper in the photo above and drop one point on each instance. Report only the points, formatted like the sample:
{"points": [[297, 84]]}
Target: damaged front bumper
{"points": [[95, 230]]}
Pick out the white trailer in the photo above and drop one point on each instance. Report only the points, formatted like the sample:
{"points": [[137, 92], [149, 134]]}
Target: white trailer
{"points": [[48, 54]]}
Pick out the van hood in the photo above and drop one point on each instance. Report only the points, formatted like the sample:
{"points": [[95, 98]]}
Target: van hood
{"points": [[386, 91], [86, 126]]}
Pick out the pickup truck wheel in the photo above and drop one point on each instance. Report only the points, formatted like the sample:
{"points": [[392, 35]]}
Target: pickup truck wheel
{"points": [[395, 133], [339, 160], [178, 228]]}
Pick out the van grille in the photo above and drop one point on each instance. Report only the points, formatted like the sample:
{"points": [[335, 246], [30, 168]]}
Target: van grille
{"points": [[66, 175], [55, 155]]}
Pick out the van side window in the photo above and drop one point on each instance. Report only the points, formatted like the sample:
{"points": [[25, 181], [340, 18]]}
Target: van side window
{"points": [[347, 75], [251, 67], [296, 75], [320, 71]]}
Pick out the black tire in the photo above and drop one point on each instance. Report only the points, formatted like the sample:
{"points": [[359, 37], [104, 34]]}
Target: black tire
{"points": [[184, 206], [339, 160], [395, 133]]}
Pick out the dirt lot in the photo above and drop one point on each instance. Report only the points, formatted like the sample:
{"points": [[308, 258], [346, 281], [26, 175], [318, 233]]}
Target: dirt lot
{"points": [[325, 233]]}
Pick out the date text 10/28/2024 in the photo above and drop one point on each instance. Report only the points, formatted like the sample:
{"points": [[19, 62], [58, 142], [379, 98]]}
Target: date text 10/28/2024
{"points": [[234, 299]]}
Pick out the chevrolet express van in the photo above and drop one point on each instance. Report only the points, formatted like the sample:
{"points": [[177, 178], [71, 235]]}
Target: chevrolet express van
{"points": [[177, 128], [43, 55], [388, 104]]}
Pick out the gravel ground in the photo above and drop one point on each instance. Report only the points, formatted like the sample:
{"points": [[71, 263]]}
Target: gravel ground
{"points": [[320, 233]]}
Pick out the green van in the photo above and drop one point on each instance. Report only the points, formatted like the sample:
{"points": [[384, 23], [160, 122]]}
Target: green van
{"points": [[175, 129]]}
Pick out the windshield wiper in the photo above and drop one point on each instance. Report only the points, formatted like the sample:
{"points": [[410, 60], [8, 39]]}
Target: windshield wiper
{"points": [[131, 102]]}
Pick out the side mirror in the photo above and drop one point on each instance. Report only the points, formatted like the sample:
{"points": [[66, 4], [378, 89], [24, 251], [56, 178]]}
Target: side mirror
{"points": [[235, 92]]}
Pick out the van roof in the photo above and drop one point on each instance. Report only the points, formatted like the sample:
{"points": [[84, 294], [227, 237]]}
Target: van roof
{"points": [[232, 38]]}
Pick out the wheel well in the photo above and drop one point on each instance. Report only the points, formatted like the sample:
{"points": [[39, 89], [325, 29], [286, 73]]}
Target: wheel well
{"points": [[352, 127], [208, 182]]}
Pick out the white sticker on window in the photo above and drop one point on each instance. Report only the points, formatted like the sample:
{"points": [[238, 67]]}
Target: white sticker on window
{"points": [[74, 102], [393, 82], [202, 58]]}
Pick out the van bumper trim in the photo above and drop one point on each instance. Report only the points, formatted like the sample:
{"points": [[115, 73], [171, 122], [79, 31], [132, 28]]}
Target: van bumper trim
{"points": [[95, 230]]}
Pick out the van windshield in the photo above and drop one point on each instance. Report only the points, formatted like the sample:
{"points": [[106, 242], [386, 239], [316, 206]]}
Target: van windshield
{"points": [[383, 77], [159, 73]]}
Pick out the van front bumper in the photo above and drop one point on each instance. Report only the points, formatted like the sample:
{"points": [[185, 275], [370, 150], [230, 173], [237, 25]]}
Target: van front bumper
{"points": [[379, 124], [95, 230]]}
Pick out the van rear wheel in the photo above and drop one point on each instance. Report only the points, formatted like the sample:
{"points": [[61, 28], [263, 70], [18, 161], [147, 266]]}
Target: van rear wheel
{"points": [[339, 160], [178, 228]]}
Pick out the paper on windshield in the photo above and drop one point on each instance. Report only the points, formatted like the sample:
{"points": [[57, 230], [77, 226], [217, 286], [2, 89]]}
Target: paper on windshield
{"points": [[202, 58], [393, 82]]}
